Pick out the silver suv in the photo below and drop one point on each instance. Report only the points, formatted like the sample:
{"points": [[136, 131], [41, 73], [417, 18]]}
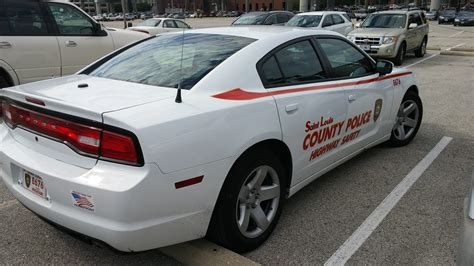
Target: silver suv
{"points": [[391, 34]]}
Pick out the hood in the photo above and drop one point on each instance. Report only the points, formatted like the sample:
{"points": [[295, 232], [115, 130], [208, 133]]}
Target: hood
{"points": [[100, 96], [376, 32]]}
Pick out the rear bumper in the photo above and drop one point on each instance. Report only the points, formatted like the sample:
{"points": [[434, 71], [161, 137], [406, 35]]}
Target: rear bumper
{"points": [[135, 208]]}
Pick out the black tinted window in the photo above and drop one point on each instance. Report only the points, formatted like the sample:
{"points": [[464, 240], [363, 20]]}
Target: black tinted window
{"points": [[346, 61], [158, 61], [298, 63], [271, 71], [22, 18], [282, 18]]}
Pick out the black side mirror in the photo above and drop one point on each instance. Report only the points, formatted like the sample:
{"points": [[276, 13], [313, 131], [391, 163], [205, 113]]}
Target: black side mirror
{"points": [[384, 67]]}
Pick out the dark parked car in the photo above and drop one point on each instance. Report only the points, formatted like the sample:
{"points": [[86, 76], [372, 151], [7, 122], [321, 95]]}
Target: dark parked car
{"points": [[464, 18], [264, 18], [447, 16], [432, 15]]}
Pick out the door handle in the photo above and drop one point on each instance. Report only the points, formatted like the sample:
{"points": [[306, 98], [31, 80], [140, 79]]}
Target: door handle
{"points": [[71, 44], [5, 45], [291, 108], [351, 98]]}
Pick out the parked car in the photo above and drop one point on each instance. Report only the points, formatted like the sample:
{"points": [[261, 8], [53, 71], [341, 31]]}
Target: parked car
{"points": [[465, 256], [146, 15], [432, 15], [30, 50], [137, 150], [328, 20], [263, 18], [392, 34], [155, 26], [129, 16], [447, 16], [179, 16], [360, 14], [464, 18]]}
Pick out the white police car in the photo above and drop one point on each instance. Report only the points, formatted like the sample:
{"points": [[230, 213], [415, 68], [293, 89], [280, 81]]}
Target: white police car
{"points": [[119, 154]]}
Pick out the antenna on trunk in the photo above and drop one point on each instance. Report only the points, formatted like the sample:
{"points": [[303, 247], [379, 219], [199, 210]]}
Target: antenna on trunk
{"points": [[178, 93]]}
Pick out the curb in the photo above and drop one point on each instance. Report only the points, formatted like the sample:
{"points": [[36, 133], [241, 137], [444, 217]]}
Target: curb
{"points": [[203, 252], [458, 53], [433, 48], [461, 49]]}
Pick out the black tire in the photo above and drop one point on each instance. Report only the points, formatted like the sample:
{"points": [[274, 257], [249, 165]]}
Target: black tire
{"points": [[421, 51], [395, 139], [3, 82], [224, 228], [398, 61]]}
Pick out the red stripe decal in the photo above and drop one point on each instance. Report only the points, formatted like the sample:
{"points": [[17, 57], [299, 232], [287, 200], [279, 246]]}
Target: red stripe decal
{"points": [[188, 182], [242, 95]]}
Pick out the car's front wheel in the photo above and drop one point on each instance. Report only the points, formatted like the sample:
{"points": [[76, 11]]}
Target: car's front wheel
{"points": [[398, 61], [250, 202], [421, 51], [408, 120], [3, 82]]}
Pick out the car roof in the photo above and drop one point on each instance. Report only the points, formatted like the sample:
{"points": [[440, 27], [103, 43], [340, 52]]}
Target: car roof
{"points": [[398, 12], [262, 32], [320, 13]]}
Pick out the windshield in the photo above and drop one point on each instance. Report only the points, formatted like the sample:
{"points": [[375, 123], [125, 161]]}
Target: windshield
{"points": [[449, 12], [251, 19], [150, 23], [158, 61], [305, 21], [385, 21], [466, 14]]}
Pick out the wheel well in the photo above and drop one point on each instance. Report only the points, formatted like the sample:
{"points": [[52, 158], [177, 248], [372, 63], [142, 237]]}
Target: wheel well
{"points": [[4, 73], [413, 88], [281, 150]]}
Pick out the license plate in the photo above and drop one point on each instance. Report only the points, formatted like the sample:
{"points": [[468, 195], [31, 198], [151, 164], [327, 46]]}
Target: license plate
{"points": [[445, 19], [34, 184], [365, 47]]}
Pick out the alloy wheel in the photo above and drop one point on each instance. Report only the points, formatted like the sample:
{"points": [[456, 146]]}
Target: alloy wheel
{"points": [[407, 120]]}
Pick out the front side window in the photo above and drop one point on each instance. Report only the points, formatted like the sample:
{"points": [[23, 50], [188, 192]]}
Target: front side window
{"points": [[296, 63], [282, 18], [327, 21], [158, 61], [71, 21], [270, 20], [22, 18], [345, 60]]}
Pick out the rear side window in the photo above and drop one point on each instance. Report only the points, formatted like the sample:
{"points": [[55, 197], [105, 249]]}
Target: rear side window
{"points": [[345, 60], [22, 18], [169, 24], [181, 24], [293, 64], [158, 61]]}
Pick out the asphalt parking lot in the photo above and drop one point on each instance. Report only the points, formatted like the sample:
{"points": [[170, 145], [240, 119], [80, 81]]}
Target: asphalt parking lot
{"points": [[422, 228]]}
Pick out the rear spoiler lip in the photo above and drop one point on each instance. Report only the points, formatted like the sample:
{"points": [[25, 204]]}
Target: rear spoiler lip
{"points": [[83, 121]]}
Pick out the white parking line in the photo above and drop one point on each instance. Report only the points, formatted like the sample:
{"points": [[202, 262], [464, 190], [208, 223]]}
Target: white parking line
{"points": [[7, 204], [433, 55], [456, 34], [353, 243]]}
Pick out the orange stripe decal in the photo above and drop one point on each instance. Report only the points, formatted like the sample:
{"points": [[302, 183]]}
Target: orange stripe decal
{"points": [[242, 95]]}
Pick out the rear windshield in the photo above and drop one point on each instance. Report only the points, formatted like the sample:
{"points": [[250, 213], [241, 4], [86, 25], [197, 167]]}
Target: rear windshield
{"points": [[251, 19], [150, 22], [158, 61]]}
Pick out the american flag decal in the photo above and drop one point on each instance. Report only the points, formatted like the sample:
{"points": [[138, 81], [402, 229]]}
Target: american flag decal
{"points": [[82, 201]]}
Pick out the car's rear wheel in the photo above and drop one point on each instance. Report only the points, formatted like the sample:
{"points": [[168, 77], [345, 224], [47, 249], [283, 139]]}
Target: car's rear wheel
{"points": [[250, 202], [421, 51], [3, 82], [398, 61], [408, 120]]}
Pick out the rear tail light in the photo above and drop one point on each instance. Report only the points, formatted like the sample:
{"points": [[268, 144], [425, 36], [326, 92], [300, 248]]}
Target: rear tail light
{"points": [[91, 141]]}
